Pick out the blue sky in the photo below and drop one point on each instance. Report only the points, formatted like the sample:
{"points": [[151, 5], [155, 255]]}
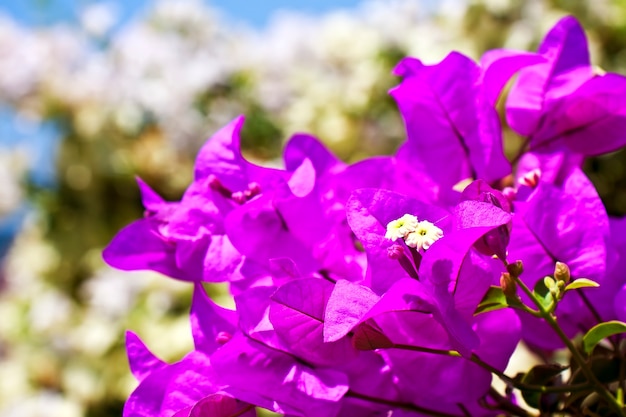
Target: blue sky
{"points": [[254, 12]]}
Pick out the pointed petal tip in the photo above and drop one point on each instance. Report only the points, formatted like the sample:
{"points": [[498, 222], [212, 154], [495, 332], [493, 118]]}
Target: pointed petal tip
{"points": [[150, 199]]}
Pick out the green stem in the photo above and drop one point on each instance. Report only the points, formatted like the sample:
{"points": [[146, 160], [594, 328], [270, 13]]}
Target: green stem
{"points": [[505, 378], [549, 318], [622, 374], [396, 404], [613, 339]]}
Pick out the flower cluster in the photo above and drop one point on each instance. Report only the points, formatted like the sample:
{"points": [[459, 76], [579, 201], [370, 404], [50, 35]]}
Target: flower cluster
{"points": [[346, 303], [120, 116], [416, 234]]}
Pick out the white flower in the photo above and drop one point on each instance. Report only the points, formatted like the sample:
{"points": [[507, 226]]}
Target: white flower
{"points": [[401, 227], [424, 236]]}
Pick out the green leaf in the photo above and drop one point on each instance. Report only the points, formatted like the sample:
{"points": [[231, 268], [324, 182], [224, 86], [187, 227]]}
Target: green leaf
{"points": [[493, 300], [539, 375], [602, 331], [581, 283], [542, 293], [605, 368]]}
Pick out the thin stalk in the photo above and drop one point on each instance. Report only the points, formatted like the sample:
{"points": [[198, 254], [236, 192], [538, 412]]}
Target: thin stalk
{"points": [[549, 318], [622, 375], [614, 341], [505, 378], [396, 404], [502, 403]]}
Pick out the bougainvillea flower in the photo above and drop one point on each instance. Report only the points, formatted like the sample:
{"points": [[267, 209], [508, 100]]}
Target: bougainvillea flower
{"points": [[369, 211], [567, 224], [496, 241], [218, 405], [444, 289], [220, 159], [305, 213], [564, 100], [301, 147], [190, 384], [172, 238], [356, 286], [538, 87], [187, 240], [450, 380], [615, 280], [279, 215], [334, 183], [297, 315], [183, 389], [276, 380], [165, 389], [449, 113], [211, 325]]}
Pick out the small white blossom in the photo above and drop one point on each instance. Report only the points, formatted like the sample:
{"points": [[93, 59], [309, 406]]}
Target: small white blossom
{"points": [[424, 236], [401, 227]]}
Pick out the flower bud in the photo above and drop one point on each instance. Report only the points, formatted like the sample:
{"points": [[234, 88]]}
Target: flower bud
{"points": [[395, 252], [515, 269], [507, 283], [561, 272], [550, 283]]}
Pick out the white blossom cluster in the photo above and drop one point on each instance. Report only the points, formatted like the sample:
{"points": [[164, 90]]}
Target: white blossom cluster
{"points": [[310, 73], [58, 353], [12, 169]]}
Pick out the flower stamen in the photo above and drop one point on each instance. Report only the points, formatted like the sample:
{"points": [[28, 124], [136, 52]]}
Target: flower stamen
{"points": [[416, 234], [400, 228], [425, 234]]}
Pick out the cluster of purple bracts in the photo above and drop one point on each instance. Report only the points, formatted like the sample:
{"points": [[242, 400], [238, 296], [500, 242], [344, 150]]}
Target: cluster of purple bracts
{"points": [[331, 295]]}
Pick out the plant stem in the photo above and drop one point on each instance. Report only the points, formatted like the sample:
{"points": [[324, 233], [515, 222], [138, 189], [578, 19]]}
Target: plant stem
{"points": [[505, 378], [613, 339], [407, 406], [549, 318], [502, 403], [622, 374]]}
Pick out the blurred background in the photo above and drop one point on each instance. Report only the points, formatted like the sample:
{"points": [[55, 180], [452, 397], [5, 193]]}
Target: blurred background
{"points": [[93, 94]]}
